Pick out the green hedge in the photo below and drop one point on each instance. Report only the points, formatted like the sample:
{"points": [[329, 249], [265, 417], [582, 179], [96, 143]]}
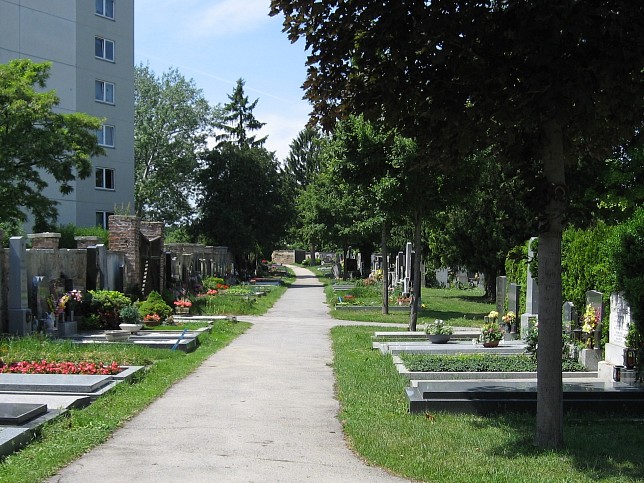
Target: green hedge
{"points": [[479, 363]]}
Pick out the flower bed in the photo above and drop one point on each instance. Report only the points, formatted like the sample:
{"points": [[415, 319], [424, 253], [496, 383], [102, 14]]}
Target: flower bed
{"points": [[48, 367], [479, 363]]}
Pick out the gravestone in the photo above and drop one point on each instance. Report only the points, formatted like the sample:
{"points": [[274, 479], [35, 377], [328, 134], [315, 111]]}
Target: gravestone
{"points": [[619, 320], [569, 317], [19, 313], [40, 293], [532, 294], [514, 292], [501, 289]]}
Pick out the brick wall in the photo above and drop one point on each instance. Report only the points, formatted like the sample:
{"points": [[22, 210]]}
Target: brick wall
{"points": [[125, 238]]}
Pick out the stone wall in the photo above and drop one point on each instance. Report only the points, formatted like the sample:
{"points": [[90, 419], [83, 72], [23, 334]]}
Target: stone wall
{"points": [[288, 256]]}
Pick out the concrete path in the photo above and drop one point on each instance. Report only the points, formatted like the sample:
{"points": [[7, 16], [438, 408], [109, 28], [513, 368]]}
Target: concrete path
{"points": [[260, 410]]}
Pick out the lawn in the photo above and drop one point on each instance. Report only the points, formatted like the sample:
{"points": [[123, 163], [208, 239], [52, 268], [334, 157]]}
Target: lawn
{"points": [[464, 448]]}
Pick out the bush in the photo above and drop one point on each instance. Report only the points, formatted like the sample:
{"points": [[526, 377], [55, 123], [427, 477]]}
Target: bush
{"points": [[478, 363], [155, 304], [106, 304], [130, 314], [211, 283]]}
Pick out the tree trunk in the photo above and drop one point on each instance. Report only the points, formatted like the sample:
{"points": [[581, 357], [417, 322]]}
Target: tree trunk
{"points": [[385, 268], [549, 430], [413, 313], [312, 254], [345, 249]]}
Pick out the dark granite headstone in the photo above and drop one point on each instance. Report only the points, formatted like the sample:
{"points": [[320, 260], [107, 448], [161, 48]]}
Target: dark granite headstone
{"points": [[514, 291]]}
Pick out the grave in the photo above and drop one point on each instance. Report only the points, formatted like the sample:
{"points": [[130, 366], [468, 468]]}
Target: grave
{"points": [[501, 291], [490, 396], [27, 401]]}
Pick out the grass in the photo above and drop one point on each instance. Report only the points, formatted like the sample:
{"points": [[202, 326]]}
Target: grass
{"points": [[479, 363], [236, 304], [64, 440], [463, 448], [458, 308]]}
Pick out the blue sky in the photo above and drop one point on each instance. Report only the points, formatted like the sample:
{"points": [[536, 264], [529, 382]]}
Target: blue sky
{"points": [[215, 42]]}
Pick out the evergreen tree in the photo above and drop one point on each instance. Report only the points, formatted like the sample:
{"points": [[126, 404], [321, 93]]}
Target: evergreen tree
{"points": [[238, 120]]}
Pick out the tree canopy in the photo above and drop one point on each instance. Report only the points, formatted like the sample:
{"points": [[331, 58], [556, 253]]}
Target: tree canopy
{"points": [[544, 82], [172, 121], [35, 140], [238, 120]]}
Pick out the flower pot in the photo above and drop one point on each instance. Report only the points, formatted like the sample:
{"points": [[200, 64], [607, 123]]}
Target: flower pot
{"points": [[132, 328], [181, 310], [492, 343], [117, 335], [438, 338]]}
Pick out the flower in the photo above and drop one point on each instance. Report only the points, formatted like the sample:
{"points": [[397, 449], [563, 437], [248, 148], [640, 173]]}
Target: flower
{"points": [[183, 303], [590, 319], [490, 332], [438, 327], [45, 367], [509, 318], [152, 318], [493, 316]]}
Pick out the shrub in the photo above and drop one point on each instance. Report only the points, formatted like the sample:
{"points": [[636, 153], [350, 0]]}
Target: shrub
{"points": [[211, 283], [155, 304], [107, 305], [130, 314]]}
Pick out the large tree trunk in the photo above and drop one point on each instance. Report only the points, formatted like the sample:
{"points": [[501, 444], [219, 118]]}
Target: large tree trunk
{"points": [[385, 268], [413, 313], [549, 431]]}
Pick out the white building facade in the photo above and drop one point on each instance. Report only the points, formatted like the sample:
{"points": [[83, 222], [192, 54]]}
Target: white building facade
{"points": [[91, 46]]}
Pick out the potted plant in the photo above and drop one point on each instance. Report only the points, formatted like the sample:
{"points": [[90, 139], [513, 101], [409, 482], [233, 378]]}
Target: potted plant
{"points": [[509, 320], [590, 320], [438, 332], [129, 314], [491, 334], [182, 306]]}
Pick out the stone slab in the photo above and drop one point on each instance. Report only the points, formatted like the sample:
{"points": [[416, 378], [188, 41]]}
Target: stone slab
{"points": [[59, 383], [14, 414], [483, 397], [451, 347], [53, 401], [12, 438]]}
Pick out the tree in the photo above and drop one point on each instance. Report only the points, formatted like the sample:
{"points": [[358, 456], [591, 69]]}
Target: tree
{"points": [[478, 229], [238, 120], [544, 81], [35, 140], [242, 204], [172, 121], [303, 161]]}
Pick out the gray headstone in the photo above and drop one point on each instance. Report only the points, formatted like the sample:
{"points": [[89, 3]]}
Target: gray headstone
{"points": [[532, 290], [568, 316], [18, 273], [514, 291], [40, 291], [527, 321], [501, 289]]}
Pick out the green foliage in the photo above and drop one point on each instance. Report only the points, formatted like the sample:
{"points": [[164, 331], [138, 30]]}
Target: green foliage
{"points": [[238, 120], [516, 269], [106, 304], [172, 121], [129, 314], [242, 202], [628, 259], [211, 283], [586, 263], [155, 304], [439, 327], [478, 363], [36, 140]]}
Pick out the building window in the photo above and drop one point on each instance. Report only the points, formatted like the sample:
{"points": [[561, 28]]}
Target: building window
{"points": [[105, 8], [105, 136], [105, 178], [104, 49], [104, 91], [102, 218]]}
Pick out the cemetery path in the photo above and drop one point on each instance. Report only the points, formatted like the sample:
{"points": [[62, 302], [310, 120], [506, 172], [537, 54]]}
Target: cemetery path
{"points": [[260, 410]]}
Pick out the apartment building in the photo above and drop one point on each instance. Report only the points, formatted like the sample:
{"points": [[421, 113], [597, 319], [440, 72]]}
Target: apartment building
{"points": [[91, 46]]}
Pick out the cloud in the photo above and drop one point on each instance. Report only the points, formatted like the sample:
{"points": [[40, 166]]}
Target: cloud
{"points": [[227, 17]]}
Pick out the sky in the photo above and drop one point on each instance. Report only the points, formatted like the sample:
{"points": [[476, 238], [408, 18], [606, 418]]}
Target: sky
{"points": [[216, 42]]}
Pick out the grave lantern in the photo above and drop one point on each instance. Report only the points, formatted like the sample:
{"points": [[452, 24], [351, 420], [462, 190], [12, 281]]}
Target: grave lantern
{"points": [[630, 358]]}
